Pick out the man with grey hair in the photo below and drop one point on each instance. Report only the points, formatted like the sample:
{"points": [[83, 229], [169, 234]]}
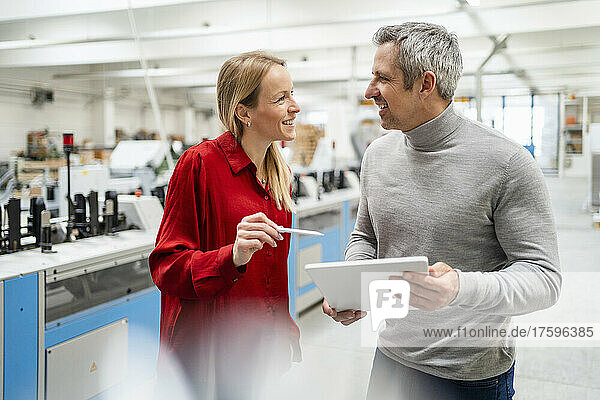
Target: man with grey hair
{"points": [[472, 201]]}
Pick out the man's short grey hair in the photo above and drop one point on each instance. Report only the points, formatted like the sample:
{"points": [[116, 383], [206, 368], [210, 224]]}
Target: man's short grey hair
{"points": [[425, 47]]}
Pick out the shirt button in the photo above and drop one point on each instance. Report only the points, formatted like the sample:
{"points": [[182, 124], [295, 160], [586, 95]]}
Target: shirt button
{"points": [[266, 197]]}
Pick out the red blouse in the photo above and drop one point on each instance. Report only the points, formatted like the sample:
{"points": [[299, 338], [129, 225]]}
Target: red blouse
{"points": [[204, 298]]}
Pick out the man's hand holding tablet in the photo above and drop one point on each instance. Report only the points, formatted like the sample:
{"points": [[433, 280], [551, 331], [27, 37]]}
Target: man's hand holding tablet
{"points": [[434, 291], [343, 283], [427, 292]]}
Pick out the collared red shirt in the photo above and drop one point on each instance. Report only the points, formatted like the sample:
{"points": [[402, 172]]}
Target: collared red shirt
{"points": [[212, 188]]}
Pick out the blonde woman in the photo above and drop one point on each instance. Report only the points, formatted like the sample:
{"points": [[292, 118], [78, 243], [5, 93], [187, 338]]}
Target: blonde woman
{"points": [[219, 261]]}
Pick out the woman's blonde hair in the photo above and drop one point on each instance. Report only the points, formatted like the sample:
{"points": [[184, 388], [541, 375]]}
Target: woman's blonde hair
{"points": [[239, 83]]}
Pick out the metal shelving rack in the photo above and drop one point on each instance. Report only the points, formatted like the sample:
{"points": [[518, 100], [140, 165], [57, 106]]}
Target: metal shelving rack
{"points": [[573, 141]]}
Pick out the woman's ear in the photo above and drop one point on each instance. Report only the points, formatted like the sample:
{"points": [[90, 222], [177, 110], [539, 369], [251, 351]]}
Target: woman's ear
{"points": [[242, 113]]}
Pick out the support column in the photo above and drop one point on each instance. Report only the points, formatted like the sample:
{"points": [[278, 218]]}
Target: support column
{"points": [[478, 94], [499, 44], [189, 125], [108, 117]]}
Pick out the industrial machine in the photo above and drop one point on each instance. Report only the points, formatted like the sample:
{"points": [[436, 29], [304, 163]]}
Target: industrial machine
{"points": [[80, 321], [134, 164], [327, 201], [80, 313], [88, 217], [80, 318]]}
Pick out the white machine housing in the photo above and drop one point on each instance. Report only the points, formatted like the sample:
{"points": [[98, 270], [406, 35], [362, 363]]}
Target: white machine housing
{"points": [[144, 211]]}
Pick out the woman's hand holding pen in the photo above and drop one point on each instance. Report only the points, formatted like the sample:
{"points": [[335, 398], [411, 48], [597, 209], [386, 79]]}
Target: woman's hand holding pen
{"points": [[252, 233]]}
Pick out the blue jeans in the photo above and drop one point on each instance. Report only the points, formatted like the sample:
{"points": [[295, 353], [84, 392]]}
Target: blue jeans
{"points": [[391, 380]]}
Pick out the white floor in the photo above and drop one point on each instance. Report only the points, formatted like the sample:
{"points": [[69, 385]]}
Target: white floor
{"points": [[335, 366], [567, 373]]}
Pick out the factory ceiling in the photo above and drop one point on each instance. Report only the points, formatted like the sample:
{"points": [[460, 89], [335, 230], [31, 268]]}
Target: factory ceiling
{"points": [[551, 46]]}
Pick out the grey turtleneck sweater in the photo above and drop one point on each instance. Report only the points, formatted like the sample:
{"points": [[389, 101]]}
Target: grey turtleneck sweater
{"points": [[459, 192]]}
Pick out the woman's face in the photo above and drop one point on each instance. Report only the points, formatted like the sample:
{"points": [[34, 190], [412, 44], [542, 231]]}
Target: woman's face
{"points": [[275, 113]]}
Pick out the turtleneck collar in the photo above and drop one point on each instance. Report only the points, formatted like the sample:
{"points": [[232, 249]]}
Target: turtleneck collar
{"points": [[435, 133]]}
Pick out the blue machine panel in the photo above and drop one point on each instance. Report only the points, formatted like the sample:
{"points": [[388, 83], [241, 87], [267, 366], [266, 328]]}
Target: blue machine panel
{"points": [[331, 251], [306, 288], [349, 222], [21, 337], [346, 218], [142, 310], [292, 269], [330, 243], [333, 245]]}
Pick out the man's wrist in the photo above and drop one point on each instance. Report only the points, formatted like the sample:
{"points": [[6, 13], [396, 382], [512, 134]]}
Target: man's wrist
{"points": [[457, 272], [457, 286]]}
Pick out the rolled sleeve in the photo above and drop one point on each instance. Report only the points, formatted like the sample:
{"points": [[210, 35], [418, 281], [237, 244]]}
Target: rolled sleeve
{"points": [[229, 271]]}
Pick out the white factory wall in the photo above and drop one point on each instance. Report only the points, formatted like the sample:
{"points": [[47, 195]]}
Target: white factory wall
{"points": [[73, 112], [207, 125], [18, 116], [337, 115], [128, 116], [78, 112], [172, 119], [79, 106], [132, 116], [341, 120]]}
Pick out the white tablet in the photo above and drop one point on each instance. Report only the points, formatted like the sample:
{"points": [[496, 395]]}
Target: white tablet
{"points": [[340, 282]]}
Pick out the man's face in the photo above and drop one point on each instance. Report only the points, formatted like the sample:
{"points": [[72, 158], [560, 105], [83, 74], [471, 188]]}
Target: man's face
{"points": [[398, 108]]}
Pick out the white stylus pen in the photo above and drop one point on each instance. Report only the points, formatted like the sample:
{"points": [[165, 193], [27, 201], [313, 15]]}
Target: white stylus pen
{"points": [[281, 229]]}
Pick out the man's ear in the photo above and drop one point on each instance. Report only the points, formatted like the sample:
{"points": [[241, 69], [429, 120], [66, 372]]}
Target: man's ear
{"points": [[242, 113], [428, 84]]}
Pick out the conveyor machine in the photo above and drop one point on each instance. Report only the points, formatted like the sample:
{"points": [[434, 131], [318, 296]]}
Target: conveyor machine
{"points": [[82, 322]]}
